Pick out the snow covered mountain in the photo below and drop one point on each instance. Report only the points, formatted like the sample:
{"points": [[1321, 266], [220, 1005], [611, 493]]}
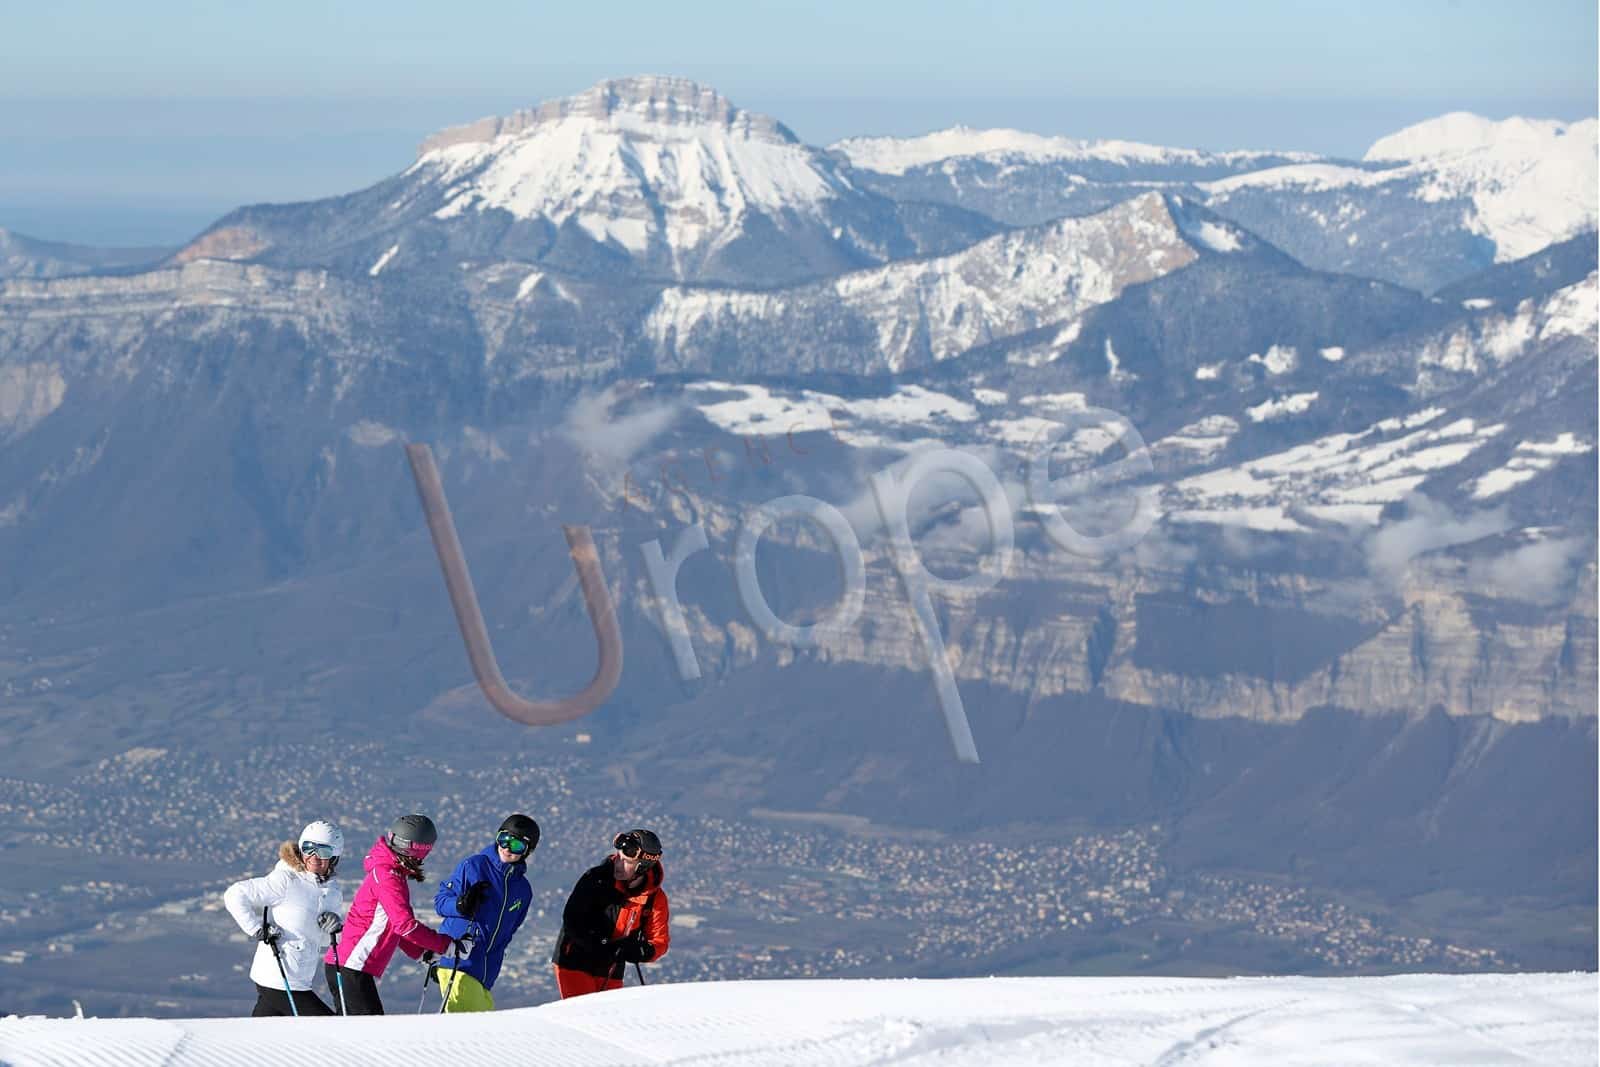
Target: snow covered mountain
{"points": [[1531, 182], [1514, 186], [1414, 1019], [1024, 179], [647, 177], [1426, 206]]}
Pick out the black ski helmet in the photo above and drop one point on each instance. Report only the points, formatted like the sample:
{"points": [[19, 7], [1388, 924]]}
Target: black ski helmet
{"points": [[522, 826], [412, 834], [646, 840]]}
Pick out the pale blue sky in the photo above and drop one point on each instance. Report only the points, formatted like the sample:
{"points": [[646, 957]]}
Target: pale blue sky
{"points": [[132, 123]]}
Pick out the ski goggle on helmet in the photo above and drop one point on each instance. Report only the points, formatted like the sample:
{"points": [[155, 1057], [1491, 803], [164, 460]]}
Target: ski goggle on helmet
{"points": [[413, 837], [512, 843], [641, 845], [322, 840]]}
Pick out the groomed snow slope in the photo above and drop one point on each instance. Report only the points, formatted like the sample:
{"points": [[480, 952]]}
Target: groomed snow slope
{"points": [[1410, 1019]]}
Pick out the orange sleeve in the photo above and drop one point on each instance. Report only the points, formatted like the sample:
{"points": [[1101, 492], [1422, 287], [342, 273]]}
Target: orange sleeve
{"points": [[659, 935]]}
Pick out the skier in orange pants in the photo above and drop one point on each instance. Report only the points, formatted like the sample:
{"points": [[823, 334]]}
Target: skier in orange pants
{"points": [[617, 915]]}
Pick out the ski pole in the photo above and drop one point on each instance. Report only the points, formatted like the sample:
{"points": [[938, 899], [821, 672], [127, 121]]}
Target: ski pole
{"points": [[272, 943], [427, 975], [338, 971], [638, 971], [455, 972]]}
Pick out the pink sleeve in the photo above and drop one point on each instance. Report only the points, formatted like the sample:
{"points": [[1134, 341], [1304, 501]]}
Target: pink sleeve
{"points": [[395, 899]]}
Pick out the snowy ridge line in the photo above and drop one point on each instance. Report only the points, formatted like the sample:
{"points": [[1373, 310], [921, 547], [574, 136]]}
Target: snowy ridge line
{"points": [[1003, 285], [1403, 1019], [1530, 182], [896, 155]]}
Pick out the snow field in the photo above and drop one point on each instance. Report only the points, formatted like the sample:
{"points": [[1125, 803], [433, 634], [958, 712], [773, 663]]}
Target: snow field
{"points": [[1282, 1022]]}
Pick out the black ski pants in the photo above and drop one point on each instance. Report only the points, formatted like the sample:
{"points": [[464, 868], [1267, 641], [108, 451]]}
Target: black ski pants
{"points": [[271, 1001], [360, 991]]}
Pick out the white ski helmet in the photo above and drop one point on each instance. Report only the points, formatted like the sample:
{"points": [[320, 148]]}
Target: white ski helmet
{"points": [[323, 833]]}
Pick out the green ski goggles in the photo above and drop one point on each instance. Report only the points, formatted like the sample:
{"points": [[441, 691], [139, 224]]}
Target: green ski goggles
{"points": [[511, 843]]}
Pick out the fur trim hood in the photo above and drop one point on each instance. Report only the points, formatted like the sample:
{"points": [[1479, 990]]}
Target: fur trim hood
{"points": [[290, 854]]}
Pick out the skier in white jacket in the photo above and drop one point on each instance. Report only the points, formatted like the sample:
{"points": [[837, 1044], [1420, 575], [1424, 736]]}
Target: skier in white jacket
{"points": [[303, 904]]}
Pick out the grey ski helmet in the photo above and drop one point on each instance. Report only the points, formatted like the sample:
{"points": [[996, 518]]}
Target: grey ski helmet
{"points": [[412, 836], [632, 842]]}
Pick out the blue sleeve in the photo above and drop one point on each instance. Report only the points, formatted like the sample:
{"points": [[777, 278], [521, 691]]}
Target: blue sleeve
{"points": [[444, 901]]}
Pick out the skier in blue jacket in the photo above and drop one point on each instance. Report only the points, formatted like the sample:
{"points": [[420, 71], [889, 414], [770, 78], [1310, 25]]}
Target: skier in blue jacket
{"points": [[488, 896]]}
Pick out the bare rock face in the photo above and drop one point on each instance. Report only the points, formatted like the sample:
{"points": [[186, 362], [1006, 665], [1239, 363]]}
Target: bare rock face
{"points": [[1258, 646], [28, 393], [230, 242]]}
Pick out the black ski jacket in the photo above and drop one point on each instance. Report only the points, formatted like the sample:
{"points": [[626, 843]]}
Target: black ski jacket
{"points": [[601, 913]]}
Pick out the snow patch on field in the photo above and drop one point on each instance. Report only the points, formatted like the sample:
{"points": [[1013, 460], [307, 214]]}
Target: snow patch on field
{"points": [[1348, 476], [758, 409], [1409, 422], [1279, 359], [1020, 432], [1201, 439], [1281, 407], [370, 434], [1057, 401], [1217, 238], [1528, 461]]}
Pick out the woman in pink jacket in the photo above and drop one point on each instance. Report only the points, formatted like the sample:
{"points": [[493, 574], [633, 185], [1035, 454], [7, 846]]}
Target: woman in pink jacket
{"points": [[381, 919]]}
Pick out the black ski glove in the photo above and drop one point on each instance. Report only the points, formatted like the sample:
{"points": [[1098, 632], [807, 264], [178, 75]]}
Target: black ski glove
{"points": [[269, 934], [468, 899], [635, 949], [330, 923]]}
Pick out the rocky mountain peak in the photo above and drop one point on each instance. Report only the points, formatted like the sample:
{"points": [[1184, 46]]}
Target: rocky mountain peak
{"points": [[642, 101]]}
